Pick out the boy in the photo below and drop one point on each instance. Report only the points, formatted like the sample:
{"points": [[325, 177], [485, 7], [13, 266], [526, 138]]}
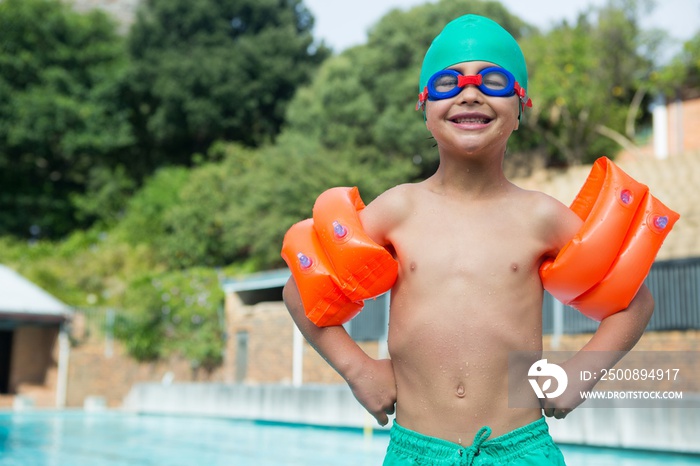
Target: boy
{"points": [[469, 245]]}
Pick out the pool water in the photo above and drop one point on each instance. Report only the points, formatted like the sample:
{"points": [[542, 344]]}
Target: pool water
{"points": [[76, 438]]}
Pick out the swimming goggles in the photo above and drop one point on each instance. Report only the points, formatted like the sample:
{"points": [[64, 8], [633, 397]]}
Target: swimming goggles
{"points": [[492, 81]]}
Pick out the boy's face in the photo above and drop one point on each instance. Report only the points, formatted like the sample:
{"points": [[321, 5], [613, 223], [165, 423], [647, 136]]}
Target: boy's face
{"points": [[472, 121]]}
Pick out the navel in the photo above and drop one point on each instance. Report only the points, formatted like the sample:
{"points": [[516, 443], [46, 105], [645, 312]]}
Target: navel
{"points": [[461, 391], [413, 266], [514, 267]]}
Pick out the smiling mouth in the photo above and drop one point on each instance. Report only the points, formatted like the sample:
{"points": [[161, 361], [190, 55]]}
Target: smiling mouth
{"points": [[482, 121]]}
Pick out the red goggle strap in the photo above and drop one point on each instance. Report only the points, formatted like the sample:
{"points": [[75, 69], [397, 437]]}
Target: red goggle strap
{"points": [[422, 97], [524, 99]]}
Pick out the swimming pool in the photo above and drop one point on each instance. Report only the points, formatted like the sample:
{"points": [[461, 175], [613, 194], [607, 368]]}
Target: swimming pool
{"points": [[77, 438]]}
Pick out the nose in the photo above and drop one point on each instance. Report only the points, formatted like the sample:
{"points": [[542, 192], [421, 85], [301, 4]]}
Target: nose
{"points": [[470, 94]]}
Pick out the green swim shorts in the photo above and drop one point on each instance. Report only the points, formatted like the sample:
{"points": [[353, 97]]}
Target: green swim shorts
{"points": [[527, 445]]}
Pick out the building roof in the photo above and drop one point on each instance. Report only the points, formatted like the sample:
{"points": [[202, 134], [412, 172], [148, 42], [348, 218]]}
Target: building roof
{"points": [[257, 281], [21, 299]]}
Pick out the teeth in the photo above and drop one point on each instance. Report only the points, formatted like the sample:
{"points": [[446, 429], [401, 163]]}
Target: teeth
{"points": [[471, 120]]}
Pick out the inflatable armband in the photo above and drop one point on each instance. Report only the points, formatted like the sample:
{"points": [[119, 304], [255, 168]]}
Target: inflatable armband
{"points": [[303, 253], [335, 264], [364, 269], [601, 269]]}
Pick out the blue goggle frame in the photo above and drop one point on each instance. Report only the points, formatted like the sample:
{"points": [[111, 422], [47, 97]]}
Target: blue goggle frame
{"points": [[506, 87]]}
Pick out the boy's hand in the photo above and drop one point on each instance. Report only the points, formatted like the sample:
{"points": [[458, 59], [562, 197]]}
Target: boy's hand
{"points": [[374, 386], [562, 405]]}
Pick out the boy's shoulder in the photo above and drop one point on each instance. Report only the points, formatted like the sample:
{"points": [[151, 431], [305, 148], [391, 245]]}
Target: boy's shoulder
{"points": [[391, 207], [539, 201], [399, 197]]}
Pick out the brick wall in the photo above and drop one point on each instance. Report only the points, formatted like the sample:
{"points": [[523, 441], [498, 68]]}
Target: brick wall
{"points": [[683, 124], [91, 372]]}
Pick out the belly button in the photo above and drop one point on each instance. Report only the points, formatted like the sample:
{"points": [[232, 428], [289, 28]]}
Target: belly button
{"points": [[460, 391], [413, 266]]}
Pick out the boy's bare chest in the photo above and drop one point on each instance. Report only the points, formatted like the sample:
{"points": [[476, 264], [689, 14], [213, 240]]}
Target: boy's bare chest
{"points": [[469, 241]]}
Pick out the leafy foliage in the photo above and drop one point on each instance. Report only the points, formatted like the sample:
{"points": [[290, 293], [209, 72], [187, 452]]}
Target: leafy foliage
{"points": [[144, 220], [681, 77], [209, 70], [577, 89], [174, 313], [59, 119], [237, 210]]}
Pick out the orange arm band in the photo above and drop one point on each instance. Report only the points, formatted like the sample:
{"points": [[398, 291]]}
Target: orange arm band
{"points": [[335, 264], [601, 269], [324, 302]]}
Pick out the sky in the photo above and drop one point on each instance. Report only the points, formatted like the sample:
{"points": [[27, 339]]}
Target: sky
{"points": [[342, 23]]}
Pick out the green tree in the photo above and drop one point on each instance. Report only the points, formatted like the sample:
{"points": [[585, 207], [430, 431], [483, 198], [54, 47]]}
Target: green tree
{"points": [[236, 210], [585, 80], [681, 77], [144, 221], [215, 70], [174, 314], [59, 118]]}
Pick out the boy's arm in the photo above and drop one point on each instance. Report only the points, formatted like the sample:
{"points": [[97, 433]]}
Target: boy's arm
{"points": [[371, 381], [615, 335]]}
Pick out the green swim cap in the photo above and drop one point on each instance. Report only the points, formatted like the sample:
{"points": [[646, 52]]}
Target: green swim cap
{"points": [[473, 38]]}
